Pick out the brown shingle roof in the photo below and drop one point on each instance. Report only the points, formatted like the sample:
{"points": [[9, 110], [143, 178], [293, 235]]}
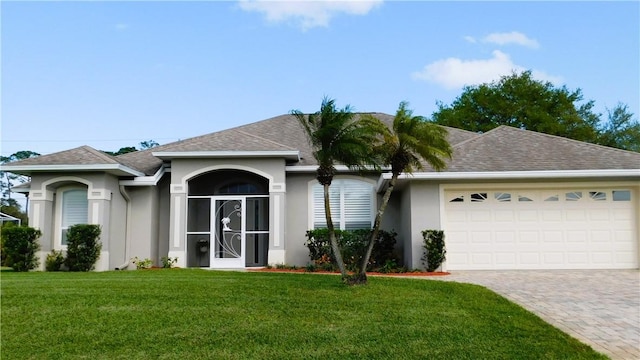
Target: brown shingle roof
{"points": [[501, 149], [278, 133], [83, 155], [510, 149]]}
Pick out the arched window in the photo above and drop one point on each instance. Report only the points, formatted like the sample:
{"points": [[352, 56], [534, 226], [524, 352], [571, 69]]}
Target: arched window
{"points": [[352, 204], [74, 210]]}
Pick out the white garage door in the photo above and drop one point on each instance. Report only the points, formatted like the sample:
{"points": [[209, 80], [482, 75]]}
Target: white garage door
{"points": [[541, 229]]}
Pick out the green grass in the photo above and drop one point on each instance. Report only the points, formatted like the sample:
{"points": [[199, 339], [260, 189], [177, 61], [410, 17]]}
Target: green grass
{"points": [[198, 314]]}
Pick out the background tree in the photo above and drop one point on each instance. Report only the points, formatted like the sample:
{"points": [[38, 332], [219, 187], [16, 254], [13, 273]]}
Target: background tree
{"points": [[8, 204], [144, 145], [520, 101], [338, 136], [411, 140], [621, 130]]}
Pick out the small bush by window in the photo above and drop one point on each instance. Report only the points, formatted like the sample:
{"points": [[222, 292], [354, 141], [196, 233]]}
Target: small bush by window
{"points": [[54, 261], [83, 247]]}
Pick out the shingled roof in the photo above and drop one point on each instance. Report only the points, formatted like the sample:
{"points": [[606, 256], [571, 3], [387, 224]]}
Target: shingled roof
{"points": [[83, 155], [501, 149], [507, 148], [80, 158], [278, 133]]}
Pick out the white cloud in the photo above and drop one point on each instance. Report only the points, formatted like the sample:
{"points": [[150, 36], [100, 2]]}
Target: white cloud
{"points": [[470, 39], [513, 37], [453, 73], [308, 13]]}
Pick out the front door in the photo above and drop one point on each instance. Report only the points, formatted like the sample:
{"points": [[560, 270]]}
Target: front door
{"points": [[228, 230]]}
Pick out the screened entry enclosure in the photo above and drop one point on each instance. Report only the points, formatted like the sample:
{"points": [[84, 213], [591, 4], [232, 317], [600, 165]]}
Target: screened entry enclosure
{"points": [[227, 220]]}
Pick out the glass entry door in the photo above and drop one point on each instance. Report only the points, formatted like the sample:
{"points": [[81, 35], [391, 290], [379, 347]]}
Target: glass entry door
{"points": [[228, 230]]}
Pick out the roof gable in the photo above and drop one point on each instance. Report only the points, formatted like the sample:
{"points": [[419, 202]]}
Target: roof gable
{"points": [[83, 158], [83, 155]]}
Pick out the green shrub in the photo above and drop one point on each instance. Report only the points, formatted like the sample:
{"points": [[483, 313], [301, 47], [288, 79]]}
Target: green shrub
{"points": [[168, 262], [434, 249], [83, 247], [353, 244], [20, 244], [54, 261], [142, 263]]}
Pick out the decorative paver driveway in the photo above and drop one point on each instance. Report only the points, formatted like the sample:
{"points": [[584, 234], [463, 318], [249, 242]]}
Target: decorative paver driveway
{"points": [[598, 307]]}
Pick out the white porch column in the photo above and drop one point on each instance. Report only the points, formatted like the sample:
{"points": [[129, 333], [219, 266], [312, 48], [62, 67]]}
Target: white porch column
{"points": [[177, 220]]}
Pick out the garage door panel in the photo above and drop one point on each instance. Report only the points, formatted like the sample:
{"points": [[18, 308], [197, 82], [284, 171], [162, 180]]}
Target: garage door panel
{"points": [[506, 258], [505, 237], [552, 216], [578, 258], [481, 237], [528, 237], [576, 236], [504, 215], [624, 237], [480, 216], [529, 258], [601, 236], [622, 215], [554, 237], [482, 259], [541, 229], [575, 216], [600, 215], [528, 215], [553, 258], [601, 257]]}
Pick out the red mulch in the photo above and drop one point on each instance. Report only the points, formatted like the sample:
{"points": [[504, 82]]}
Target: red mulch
{"points": [[302, 270]]}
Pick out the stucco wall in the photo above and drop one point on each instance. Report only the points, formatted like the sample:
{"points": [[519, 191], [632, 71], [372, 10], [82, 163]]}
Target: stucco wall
{"points": [[182, 170], [144, 223], [105, 208], [297, 219], [298, 214], [424, 212]]}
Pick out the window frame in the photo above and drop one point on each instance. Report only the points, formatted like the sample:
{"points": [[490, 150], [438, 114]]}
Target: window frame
{"points": [[340, 217], [59, 208]]}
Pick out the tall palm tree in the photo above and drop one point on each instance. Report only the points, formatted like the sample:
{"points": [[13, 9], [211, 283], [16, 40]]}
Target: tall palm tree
{"points": [[339, 136], [411, 140]]}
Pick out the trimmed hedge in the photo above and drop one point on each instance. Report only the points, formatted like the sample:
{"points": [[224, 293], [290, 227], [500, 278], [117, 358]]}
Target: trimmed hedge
{"points": [[434, 249], [19, 245], [83, 247], [353, 244]]}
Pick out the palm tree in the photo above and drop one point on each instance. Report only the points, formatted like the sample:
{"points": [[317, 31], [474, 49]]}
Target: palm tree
{"points": [[339, 136], [411, 140]]}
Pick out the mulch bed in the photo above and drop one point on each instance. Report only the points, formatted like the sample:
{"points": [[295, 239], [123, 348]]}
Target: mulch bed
{"points": [[302, 270]]}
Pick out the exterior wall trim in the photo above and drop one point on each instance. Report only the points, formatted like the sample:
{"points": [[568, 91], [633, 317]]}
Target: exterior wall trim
{"points": [[116, 168], [146, 180], [167, 155], [191, 175]]}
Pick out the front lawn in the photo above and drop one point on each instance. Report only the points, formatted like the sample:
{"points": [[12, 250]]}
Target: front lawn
{"points": [[199, 314]]}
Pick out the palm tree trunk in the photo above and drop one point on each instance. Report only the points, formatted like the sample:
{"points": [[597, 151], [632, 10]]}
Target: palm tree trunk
{"points": [[362, 271], [332, 233]]}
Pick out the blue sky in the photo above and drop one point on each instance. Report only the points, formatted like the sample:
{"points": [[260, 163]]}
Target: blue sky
{"points": [[113, 74]]}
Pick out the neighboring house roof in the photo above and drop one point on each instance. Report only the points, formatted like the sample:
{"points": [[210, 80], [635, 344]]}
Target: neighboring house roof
{"points": [[501, 149], [507, 148]]}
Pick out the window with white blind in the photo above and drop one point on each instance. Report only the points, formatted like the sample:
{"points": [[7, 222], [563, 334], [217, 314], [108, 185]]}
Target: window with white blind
{"points": [[75, 208], [351, 201]]}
